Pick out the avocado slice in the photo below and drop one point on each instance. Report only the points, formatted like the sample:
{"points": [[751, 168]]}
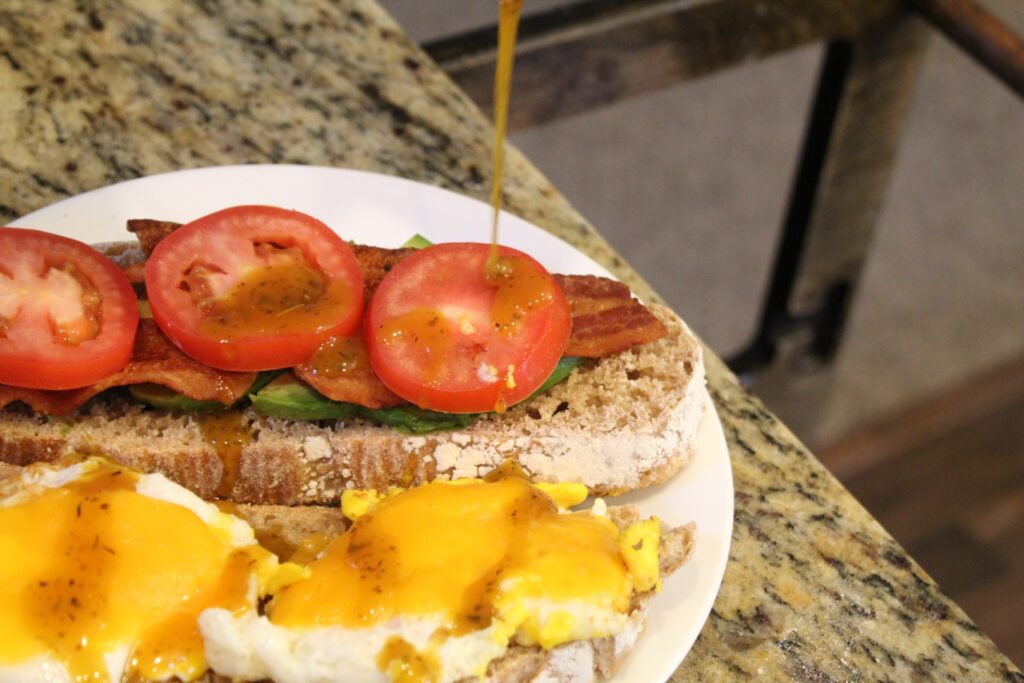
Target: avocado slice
{"points": [[159, 396], [287, 397]]}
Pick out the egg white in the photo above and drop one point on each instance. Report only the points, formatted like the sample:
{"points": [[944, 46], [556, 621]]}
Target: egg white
{"points": [[250, 647]]}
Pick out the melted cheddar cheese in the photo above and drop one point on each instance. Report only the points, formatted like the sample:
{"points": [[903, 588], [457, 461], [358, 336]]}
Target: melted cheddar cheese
{"points": [[455, 550]]}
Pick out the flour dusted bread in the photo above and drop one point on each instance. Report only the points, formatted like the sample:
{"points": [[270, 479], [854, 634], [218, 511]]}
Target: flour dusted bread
{"points": [[622, 423]]}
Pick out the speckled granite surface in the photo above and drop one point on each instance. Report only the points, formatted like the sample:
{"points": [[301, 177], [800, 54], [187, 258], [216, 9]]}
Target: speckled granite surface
{"points": [[96, 92]]}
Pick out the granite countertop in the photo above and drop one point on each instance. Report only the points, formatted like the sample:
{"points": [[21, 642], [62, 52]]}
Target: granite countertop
{"points": [[101, 91]]}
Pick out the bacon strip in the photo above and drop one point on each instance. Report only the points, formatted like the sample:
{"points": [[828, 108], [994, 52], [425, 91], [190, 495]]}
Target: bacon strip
{"points": [[154, 359], [376, 262], [360, 386], [606, 319], [149, 232]]}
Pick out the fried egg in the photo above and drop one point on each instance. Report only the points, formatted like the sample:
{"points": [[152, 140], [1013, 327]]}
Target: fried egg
{"points": [[108, 570], [435, 582]]}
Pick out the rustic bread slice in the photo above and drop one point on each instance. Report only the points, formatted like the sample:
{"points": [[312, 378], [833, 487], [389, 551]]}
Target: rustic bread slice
{"points": [[621, 423]]}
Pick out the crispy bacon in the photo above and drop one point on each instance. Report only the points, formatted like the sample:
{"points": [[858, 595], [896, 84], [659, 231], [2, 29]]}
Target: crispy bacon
{"points": [[155, 360], [149, 232], [375, 262], [606, 319], [360, 386]]}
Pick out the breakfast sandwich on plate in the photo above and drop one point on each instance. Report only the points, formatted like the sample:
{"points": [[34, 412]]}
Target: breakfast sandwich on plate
{"points": [[245, 449]]}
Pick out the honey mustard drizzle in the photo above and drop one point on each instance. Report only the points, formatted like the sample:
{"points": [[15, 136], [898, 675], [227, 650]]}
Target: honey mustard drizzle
{"points": [[339, 357], [508, 25], [228, 433]]}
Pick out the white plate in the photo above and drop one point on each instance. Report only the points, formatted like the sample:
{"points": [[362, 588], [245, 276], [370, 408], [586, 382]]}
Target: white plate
{"points": [[385, 211]]}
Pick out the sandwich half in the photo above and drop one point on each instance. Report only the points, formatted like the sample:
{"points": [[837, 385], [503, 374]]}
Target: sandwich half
{"points": [[626, 417]]}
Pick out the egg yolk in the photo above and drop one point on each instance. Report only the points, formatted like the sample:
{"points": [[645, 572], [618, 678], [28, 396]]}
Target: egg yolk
{"points": [[458, 551], [94, 567]]}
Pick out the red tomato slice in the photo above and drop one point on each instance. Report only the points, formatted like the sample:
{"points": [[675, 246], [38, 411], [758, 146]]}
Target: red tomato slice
{"points": [[254, 287], [67, 312], [442, 334]]}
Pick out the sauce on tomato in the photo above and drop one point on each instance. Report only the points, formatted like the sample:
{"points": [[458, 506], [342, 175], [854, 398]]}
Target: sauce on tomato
{"points": [[285, 296], [426, 331], [339, 357], [520, 289]]}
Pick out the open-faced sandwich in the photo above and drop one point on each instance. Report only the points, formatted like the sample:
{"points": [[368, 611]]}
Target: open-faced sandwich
{"points": [[343, 366], [114, 575]]}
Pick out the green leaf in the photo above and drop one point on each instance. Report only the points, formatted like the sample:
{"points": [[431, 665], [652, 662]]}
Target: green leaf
{"points": [[561, 372], [417, 241]]}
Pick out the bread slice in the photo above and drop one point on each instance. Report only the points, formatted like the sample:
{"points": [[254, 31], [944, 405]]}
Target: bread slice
{"points": [[622, 423]]}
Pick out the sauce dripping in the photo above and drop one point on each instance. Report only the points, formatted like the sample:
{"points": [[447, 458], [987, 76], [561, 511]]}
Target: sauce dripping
{"points": [[508, 469], [228, 433], [273, 537], [508, 25], [339, 357], [405, 664], [385, 566], [521, 289], [170, 644], [309, 548]]}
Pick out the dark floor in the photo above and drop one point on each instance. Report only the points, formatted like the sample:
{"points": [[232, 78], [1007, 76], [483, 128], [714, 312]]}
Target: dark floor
{"points": [[956, 502]]}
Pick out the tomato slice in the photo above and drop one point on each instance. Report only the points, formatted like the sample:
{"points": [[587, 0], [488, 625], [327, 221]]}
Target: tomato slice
{"points": [[444, 334], [254, 287], [67, 312]]}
